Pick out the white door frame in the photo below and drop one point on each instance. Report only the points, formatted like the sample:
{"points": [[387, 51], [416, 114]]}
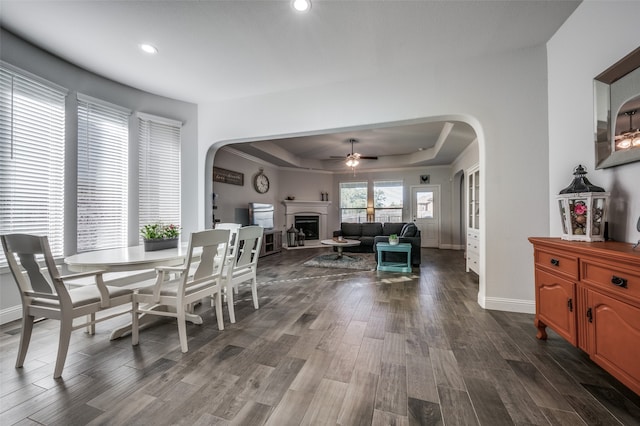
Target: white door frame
{"points": [[437, 211]]}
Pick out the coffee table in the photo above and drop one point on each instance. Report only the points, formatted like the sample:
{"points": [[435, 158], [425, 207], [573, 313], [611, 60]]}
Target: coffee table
{"points": [[340, 245]]}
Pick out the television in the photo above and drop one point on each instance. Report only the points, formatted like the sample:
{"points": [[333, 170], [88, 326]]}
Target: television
{"points": [[261, 214]]}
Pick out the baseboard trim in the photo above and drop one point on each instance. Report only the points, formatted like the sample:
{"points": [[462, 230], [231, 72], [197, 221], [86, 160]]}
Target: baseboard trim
{"points": [[508, 305], [10, 314]]}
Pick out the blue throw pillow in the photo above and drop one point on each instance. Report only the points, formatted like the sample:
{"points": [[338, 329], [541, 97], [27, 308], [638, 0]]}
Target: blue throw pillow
{"points": [[409, 230]]}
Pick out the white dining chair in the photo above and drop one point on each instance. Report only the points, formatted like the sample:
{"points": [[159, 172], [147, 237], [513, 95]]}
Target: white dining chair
{"points": [[176, 287], [242, 265], [44, 294], [233, 231]]}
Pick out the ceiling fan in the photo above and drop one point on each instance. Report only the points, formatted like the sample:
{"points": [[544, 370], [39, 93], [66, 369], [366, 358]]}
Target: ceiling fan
{"points": [[353, 159]]}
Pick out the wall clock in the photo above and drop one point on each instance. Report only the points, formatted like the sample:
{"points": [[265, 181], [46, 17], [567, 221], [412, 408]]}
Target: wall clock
{"points": [[261, 182]]}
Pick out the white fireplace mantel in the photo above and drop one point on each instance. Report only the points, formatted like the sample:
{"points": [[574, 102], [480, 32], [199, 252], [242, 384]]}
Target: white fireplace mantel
{"points": [[309, 208]]}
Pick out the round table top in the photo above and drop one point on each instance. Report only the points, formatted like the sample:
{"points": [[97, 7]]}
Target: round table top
{"points": [[343, 243], [126, 259]]}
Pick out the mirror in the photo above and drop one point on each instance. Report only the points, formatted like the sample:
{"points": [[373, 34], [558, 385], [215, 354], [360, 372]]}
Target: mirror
{"points": [[617, 110]]}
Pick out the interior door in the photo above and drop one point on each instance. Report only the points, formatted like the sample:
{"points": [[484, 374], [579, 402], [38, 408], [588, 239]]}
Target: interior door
{"points": [[425, 210]]}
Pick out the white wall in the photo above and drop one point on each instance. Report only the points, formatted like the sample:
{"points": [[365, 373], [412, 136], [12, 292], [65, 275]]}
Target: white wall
{"points": [[493, 94], [595, 36]]}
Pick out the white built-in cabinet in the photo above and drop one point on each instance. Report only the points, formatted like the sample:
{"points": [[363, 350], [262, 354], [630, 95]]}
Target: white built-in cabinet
{"points": [[473, 219]]}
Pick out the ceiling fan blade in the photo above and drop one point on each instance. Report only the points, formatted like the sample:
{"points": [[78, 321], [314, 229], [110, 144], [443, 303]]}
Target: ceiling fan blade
{"points": [[364, 157]]}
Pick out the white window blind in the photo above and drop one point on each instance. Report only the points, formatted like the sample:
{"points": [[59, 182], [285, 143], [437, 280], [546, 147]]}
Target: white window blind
{"points": [[32, 117], [159, 170], [103, 134]]}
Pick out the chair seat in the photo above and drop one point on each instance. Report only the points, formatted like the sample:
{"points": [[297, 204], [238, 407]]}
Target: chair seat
{"points": [[83, 296], [170, 288]]}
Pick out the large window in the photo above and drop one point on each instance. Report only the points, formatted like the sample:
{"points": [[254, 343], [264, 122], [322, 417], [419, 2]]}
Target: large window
{"points": [[353, 201], [32, 118], [103, 135], [388, 200], [159, 170]]}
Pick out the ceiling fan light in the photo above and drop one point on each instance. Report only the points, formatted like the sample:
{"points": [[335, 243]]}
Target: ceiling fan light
{"points": [[301, 5]]}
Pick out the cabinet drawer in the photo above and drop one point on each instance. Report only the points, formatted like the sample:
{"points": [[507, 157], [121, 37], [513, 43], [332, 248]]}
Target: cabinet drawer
{"points": [[618, 280], [562, 263]]}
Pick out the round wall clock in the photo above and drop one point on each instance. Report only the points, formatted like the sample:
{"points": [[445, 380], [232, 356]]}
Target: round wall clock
{"points": [[261, 182]]}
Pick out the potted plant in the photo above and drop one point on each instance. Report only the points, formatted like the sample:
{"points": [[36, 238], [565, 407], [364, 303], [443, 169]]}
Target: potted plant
{"points": [[393, 239], [157, 236]]}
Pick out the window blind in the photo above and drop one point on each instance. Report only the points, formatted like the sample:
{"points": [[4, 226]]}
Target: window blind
{"points": [[32, 136], [103, 134], [159, 170]]}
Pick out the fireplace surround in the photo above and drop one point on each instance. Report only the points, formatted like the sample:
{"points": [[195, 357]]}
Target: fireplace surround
{"points": [[308, 209]]}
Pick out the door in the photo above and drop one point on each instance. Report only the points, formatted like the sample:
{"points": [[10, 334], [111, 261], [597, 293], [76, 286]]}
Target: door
{"points": [[425, 210]]}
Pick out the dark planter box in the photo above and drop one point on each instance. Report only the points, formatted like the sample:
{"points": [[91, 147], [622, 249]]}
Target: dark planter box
{"points": [[161, 244]]}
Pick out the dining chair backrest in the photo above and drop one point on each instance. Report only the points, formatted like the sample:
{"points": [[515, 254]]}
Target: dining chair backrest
{"points": [[214, 246], [233, 230], [24, 255], [247, 246]]}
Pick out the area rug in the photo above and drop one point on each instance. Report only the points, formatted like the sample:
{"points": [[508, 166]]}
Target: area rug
{"points": [[348, 261]]}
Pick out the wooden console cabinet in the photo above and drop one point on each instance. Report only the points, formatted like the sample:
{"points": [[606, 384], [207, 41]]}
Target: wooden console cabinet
{"points": [[271, 243], [589, 293]]}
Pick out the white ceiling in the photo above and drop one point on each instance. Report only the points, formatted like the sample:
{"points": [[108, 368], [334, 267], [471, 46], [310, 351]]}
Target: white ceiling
{"points": [[210, 51]]}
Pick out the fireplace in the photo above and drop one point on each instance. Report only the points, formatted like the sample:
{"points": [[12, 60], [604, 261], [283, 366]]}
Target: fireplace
{"points": [[310, 225], [305, 212]]}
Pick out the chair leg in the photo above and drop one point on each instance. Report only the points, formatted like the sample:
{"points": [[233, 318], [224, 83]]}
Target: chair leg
{"points": [[218, 302], [135, 323], [66, 323], [182, 327], [25, 338], [254, 292], [91, 324], [232, 313]]}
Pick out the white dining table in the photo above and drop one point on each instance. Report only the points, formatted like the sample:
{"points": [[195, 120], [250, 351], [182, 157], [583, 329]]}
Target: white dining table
{"points": [[133, 258], [126, 259]]}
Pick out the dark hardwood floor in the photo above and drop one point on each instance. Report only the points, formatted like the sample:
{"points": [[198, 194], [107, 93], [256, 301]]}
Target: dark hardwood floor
{"points": [[327, 346]]}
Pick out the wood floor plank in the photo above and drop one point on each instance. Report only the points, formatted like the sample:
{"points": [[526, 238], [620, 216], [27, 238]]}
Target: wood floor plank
{"points": [[370, 355], [393, 348], [456, 407], [326, 403], [446, 369], [391, 395], [357, 407], [382, 418], [421, 382], [279, 381], [343, 363], [291, 409], [541, 391], [487, 403], [424, 412]]}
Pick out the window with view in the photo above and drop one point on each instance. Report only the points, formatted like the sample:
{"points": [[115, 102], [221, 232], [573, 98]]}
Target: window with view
{"points": [[388, 201], [159, 170], [103, 135], [32, 157], [353, 202]]}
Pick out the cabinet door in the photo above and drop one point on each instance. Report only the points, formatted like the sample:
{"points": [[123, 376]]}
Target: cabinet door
{"points": [[614, 336], [555, 304]]}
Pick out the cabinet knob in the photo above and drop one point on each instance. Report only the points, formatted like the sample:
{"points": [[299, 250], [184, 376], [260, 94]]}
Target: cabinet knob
{"points": [[555, 262], [590, 314], [620, 282]]}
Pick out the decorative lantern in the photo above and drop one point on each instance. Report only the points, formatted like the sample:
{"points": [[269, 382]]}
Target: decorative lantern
{"points": [[583, 209], [292, 237]]}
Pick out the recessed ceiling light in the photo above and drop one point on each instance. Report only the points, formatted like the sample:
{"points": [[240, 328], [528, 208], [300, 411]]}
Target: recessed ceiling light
{"points": [[301, 5], [147, 48]]}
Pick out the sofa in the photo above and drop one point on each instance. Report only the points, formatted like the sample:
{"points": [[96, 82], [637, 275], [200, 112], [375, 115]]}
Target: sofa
{"points": [[371, 233]]}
